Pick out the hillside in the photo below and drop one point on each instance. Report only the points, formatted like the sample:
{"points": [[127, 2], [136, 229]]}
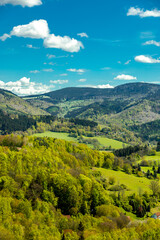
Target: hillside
{"points": [[125, 106], [54, 189], [10, 103], [130, 90]]}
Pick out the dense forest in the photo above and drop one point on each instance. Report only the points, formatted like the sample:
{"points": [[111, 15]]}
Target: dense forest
{"points": [[52, 189]]}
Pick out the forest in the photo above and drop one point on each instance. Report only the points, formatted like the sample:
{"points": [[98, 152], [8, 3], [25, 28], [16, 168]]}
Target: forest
{"points": [[54, 189]]}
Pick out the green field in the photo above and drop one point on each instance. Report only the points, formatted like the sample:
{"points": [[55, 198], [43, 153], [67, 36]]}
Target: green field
{"points": [[153, 158], [133, 183], [105, 142], [57, 135]]}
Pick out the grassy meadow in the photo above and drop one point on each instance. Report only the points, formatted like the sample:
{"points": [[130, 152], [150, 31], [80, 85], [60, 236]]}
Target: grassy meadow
{"points": [[105, 142], [133, 183]]}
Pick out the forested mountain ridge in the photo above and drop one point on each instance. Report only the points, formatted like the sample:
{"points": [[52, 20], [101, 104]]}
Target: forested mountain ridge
{"points": [[125, 106], [126, 90], [10, 103]]}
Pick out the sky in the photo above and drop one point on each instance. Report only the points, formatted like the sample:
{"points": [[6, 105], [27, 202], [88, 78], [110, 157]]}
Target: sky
{"points": [[47, 45]]}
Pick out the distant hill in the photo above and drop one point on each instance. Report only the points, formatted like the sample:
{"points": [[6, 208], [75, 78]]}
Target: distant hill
{"points": [[86, 102], [129, 90], [10, 103], [126, 106]]}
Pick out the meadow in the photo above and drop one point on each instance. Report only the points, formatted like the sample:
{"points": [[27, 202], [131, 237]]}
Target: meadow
{"points": [[133, 183], [105, 142]]}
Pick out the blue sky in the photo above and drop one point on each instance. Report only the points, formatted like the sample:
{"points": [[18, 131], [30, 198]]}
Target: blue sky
{"points": [[50, 44]]}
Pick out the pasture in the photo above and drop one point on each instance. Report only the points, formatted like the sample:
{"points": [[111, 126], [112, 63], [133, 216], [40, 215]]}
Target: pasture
{"points": [[104, 142], [133, 183]]}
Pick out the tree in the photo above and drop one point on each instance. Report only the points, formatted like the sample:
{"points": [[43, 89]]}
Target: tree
{"points": [[154, 186], [158, 146]]}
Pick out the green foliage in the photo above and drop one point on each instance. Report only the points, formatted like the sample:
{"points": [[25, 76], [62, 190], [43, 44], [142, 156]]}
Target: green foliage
{"points": [[51, 189]]}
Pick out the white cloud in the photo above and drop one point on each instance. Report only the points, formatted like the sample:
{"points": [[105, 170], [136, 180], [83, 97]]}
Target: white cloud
{"points": [[59, 81], [35, 71], [65, 43], [4, 37], [63, 74], [141, 13], [146, 59], [83, 35], [48, 70], [50, 56], [25, 87], [126, 63], [152, 42], [82, 80], [31, 46], [104, 86], [147, 34], [38, 29], [80, 71], [23, 3], [125, 77], [98, 86]]}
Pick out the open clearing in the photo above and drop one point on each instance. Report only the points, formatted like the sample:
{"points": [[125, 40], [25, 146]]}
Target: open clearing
{"points": [[105, 142], [133, 183]]}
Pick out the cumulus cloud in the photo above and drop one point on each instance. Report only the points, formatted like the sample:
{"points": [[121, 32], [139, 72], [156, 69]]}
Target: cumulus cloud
{"points": [[65, 43], [152, 42], [59, 81], [125, 77], [82, 80], [80, 71], [23, 3], [146, 59], [25, 87], [142, 13], [83, 35], [38, 29]]}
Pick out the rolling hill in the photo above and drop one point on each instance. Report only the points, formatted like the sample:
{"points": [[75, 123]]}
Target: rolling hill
{"points": [[10, 103], [126, 106]]}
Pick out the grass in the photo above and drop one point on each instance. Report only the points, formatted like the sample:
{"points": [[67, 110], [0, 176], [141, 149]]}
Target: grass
{"points": [[153, 158], [105, 142], [133, 183], [63, 136]]}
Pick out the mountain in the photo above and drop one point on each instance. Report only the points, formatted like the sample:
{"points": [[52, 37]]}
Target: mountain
{"points": [[93, 102], [130, 90], [10, 103], [127, 106]]}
